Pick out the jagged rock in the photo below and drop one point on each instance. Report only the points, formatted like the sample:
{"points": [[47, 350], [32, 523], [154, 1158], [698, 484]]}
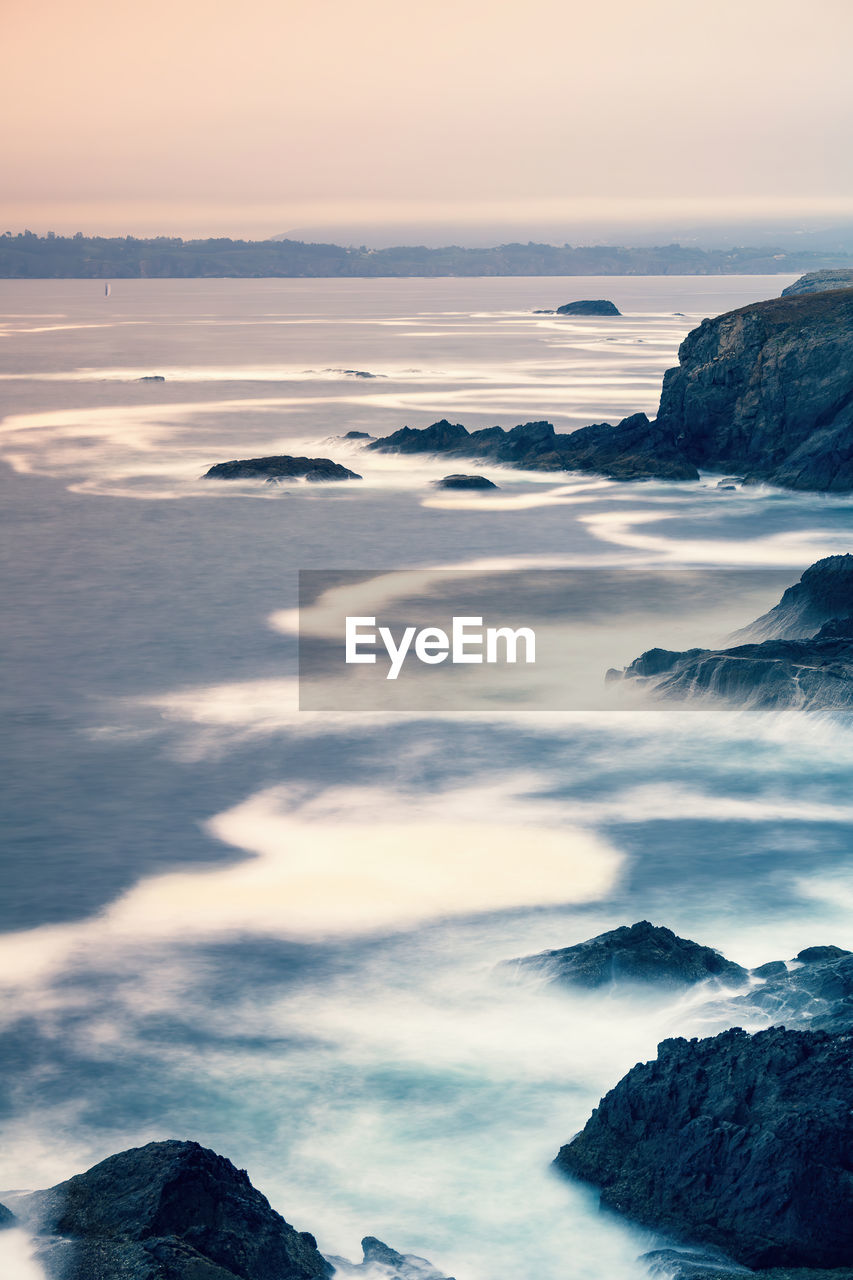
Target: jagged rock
{"points": [[823, 593], [280, 466], [167, 1211], [382, 1262], [640, 952], [816, 993], [589, 307], [819, 281], [676, 1264], [809, 671], [7, 1218], [741, 1142], [465, 482]]}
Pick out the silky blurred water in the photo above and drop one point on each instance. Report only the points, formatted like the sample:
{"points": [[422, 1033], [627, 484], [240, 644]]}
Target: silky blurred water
{"points": [[280, 932]]}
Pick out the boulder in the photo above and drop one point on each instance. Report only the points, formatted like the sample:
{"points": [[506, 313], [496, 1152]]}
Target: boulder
{"points": [[741, 1142], [384, 1263], [641, 952], [281, 466], [167, 1211]]}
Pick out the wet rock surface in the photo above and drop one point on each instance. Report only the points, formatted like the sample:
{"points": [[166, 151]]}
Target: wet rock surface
{"points": [[640, 952], [280, 466], [737, 1141]]}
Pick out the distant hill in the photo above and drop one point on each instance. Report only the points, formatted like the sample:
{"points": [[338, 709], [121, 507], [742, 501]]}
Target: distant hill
{"points": [[27, 257]]}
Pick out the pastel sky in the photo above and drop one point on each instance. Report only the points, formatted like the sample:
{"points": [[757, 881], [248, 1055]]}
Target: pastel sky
{"points": [[196, 117]]}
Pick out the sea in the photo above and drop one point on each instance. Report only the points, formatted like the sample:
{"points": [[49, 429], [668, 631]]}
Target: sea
{"points": [[283, 932]]}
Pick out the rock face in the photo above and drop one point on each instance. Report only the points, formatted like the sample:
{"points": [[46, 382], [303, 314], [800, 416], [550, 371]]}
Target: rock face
{"points": [[641, 952], [824, 593], [168, 1211], [7, 1218], [741, 1142], [812, 671], [281, 466], [465, 482], [817, 993], [589, 307], [384, 1263], [768, 391], [818, 281]]}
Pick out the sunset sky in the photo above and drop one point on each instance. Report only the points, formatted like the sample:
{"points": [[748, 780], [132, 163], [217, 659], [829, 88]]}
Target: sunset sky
{"points": [[198, 117]]}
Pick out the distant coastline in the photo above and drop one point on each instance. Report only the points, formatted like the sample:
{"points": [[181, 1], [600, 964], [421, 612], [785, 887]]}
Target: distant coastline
{"points": [[26, 256]]}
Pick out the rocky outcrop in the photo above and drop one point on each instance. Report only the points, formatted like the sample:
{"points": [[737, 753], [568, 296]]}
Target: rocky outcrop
{"points": [[153, 377], [709, 1264], [824, 593], [640, 952], [812, 671], [741, 1142], [815, 992], [167, 1211], [383, 1263], [281, 466], [819, 281], [633, 450], [465, 482], [765, 391], [589, 307], [358, 435], [7, 1218]]}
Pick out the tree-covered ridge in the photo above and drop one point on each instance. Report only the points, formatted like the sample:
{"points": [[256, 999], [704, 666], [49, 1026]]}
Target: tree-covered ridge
{"points": [[26, 256]]}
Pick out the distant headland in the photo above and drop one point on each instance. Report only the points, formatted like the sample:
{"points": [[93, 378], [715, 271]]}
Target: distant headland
{"points": [[27, 256]]}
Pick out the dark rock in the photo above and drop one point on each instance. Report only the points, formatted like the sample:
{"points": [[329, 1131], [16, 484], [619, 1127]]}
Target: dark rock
{"points": [[465, 482], [767, 390], [168, 1211], [358, 373], [741, 1142], [7, 1218], [280, 466], [816, 993], [357, 435], [819, 281], [441, 437], [816, 955], [380, 1260], [676, 1264], [545, 313], [153, 377], [589, 307], [823, 593], [640, 952]]}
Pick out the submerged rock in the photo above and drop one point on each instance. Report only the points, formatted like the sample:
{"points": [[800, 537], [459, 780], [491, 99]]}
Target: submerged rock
{"points": [[382, 1262], [641, 952], [465, 482], [589, 307], [819, 281], [167, 1211], [280, 466], [737, 1141]]}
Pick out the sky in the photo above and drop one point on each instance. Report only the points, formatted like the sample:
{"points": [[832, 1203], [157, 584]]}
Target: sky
{"points": [[210, 117]]}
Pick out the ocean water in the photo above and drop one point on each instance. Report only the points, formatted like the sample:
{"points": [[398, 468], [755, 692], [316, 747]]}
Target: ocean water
{"points": [[280, 932]]}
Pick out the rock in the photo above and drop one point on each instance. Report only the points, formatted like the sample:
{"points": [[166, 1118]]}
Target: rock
{"points": [[819, 281], [381, 1261], [823, 593], [167, 1211], [7, 1218], [153, 377], [280, 466], [358, 373], [465, 482], [740, 1142], [816, 993], [589, 307], [767, 390], [358, 435], [676, 1264], [441, 437], [640, 952], [813, 674]]}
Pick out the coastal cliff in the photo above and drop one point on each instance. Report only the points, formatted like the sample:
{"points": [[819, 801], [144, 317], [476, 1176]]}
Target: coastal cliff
{"points": [[765, 391]]}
